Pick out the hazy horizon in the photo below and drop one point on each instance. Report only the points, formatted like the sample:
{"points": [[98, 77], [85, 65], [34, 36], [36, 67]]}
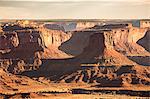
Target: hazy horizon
{"points": [[75, 9]]}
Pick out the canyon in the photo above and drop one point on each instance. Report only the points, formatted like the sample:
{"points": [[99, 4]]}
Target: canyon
{"points": [[95, 55]]}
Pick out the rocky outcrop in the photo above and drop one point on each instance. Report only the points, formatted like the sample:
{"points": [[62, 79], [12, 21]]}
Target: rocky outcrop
{"points": [[5, 64], [109, 44], [13, 84], [110, 76], [101, 59], [17, 40], [103, 45], [23, 38], [54, 53], [118, 41], [8, 41], [52, 39], [19, 47], [123, 37], [23, 41], [84, 25], [101, 49], [125, 41], [113, 68]]}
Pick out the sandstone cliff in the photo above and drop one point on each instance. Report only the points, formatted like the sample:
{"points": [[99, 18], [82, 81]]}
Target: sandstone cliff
{"points": [[101, 49], [52, 39], [8, 41], [21, 37], [22, 42], [124, 39], [105, 45], [21, 46], [84, 25]]}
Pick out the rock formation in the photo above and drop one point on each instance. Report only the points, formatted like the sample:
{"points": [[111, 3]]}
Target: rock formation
{"points": [[8, 41], [124, 39], [103, 51], [101, 46], [22, 42], [12, 84], [98, 48], [52, 39], [110, 76], [84, 25], [96, 54], [26, 39]]}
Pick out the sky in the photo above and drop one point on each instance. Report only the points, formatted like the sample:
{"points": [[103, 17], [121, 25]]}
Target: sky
{"points": [[75, 9]]}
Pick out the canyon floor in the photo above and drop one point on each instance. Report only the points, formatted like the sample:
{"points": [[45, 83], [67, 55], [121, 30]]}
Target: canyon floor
{"points": [[71, 59]]}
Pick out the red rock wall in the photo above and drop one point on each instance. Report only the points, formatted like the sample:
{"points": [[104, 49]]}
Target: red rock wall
{"points": [[28, 43], [8, 41], [125, 41], [53, 37]]}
